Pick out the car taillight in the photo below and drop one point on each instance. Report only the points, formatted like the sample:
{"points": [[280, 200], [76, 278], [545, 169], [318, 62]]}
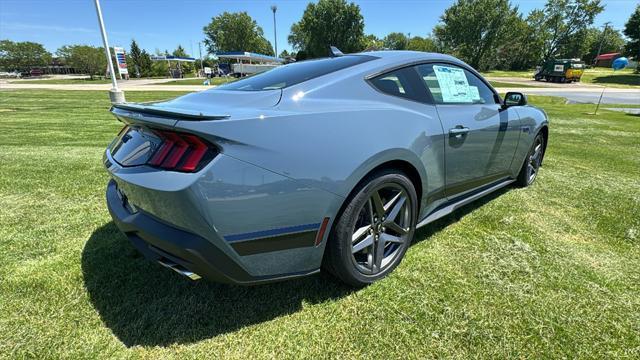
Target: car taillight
{"points": [[181, 152]]}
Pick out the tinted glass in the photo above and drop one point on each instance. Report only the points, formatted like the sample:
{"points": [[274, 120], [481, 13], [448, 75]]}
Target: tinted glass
{"points": [[402, 83], [291, 74], [450, 84], [134, 146]]}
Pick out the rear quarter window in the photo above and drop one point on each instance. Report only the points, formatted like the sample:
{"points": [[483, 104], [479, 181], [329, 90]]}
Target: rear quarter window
{"points": [[402, 83]]}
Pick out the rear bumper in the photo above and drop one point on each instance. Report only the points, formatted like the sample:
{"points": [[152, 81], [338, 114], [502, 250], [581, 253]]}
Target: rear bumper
{"points": [[180, 249]]}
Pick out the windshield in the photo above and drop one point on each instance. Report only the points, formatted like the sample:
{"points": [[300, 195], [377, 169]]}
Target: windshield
{"points": [[291, 74]]}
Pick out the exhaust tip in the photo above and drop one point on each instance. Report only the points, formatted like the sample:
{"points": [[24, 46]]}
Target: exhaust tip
{"points": [[179, 269]]}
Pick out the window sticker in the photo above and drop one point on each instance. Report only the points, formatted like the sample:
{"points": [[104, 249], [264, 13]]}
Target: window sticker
{"points": [[454, 85], [474, 93]]}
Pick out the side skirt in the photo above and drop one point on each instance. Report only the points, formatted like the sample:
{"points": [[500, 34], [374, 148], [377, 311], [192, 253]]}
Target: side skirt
{"points": [[456, 203]]}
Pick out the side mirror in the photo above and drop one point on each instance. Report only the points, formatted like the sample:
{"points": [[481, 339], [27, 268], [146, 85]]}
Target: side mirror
{"points": [[515, 99]]}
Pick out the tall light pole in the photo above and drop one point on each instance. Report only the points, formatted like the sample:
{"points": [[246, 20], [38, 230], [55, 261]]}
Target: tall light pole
{"points": [[604, 33], [201, 63], [275, 34], [116, 95]]}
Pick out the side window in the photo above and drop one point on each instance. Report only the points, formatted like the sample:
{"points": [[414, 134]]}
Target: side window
{"points": [[402, 83], [450, 84]]}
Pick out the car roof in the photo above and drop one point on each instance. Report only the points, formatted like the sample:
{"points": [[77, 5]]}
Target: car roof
{"points": [[409, 56]]}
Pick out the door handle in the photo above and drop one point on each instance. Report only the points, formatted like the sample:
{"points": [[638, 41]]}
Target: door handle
{"points": [[458, 131]]}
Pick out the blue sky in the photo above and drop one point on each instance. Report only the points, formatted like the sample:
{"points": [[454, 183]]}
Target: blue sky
{"points": [[163, 24]]}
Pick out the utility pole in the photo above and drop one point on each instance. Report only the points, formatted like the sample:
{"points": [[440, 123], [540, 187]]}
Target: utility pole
{"points": [[275, 35], [116, 95], [604, 33], [408, 40], [201, 63]]}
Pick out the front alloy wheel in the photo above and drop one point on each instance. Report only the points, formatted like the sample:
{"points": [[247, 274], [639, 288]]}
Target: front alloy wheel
{"points": [[532, 163], [374, 231]]}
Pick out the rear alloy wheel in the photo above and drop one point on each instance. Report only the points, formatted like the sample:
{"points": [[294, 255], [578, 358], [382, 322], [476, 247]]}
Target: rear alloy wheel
{"points": [[374, 231], [532, 162]]}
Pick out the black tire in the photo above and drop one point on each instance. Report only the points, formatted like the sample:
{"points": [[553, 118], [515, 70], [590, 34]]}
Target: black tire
{"points": [[342, 260], [532, 162]]}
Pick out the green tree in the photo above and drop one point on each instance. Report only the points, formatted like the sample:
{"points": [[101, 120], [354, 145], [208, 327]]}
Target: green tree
{"points": [[607, 40], [564, 20], [522, 49], [284, 54], [85, 59], [22, 56], [185, 67], [472, 29], [632, 31], [136, 58], [579, 44], [396, 41], [372, 43], [327, 23], [418, 43], [160, 68], [145, 63], [140, 60], [235, 32]]}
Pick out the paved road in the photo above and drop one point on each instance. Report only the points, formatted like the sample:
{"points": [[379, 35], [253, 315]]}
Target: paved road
{"points": [[580, 93], [587, 95]]}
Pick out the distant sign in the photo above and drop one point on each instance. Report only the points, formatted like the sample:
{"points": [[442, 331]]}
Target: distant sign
{"points": [[172, 58], [207, 70], [121, 59]]}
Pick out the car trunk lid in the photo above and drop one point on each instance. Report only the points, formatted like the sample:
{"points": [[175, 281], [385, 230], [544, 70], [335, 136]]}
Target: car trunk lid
{"points": [[200, 106]]}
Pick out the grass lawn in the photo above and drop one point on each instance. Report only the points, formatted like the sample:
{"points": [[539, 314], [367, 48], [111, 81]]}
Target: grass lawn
{"points": [[551, 271], [199, 81], [501, 84], [528, 74], [609, 77], [624, 78], [63, 81]]}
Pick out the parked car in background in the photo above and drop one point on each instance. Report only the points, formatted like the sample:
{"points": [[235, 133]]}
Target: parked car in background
{"points": [[10, 75], [242, 69], [329, 163]]}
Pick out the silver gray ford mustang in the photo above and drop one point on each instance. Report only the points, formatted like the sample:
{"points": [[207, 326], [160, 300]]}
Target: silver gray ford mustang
{"points": [[323, 164]]}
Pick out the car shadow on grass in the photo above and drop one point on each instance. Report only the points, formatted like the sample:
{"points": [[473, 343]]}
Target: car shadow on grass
{"points": [[147, 305]]}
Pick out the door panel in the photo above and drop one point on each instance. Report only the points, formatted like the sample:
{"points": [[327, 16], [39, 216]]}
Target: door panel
{"points": [[480, 136], [483, 151]]}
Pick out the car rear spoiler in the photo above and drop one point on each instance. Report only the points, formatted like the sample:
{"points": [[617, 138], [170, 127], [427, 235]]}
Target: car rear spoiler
{"points": [[166, 112]]}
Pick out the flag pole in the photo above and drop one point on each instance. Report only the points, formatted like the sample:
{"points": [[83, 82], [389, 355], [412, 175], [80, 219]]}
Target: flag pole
{"points": [[116, 95]]}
